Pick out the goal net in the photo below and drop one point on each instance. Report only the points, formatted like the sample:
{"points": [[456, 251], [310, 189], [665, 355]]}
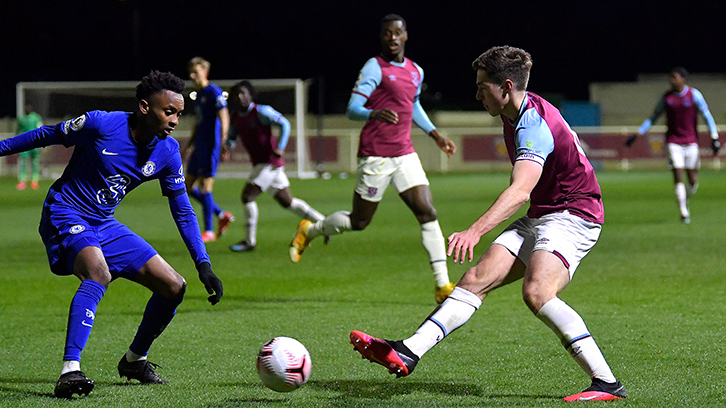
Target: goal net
{"points": [[58, 101]]}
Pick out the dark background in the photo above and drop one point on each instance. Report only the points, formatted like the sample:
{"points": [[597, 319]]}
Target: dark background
{"points": [[572, 43]]}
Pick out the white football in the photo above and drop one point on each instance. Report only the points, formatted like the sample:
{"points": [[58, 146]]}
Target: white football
{"points": [[283, 364]]}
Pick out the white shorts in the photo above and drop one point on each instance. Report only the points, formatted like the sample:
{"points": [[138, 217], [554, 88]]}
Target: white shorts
{"points": [[683, 156], [265, 176], [567, 236], [376, 173]]}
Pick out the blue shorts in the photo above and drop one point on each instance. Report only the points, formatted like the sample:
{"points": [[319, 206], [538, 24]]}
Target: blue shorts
{"points": [[203, 164], [65, 234]]}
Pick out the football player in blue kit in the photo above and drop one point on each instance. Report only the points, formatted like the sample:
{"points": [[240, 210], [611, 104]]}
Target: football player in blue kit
{"points": [[114, 153]]}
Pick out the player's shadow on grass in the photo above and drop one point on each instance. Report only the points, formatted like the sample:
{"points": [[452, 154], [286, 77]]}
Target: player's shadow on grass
{"points": [[9, 386], [385, 390]]}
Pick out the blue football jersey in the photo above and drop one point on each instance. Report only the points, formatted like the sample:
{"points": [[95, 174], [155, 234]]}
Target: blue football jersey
{"points": [[107, 164], [208, 134]]}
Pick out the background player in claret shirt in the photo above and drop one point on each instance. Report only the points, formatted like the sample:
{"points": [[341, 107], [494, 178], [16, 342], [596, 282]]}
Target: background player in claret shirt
{"points": [[386, 96], [544, 247], [252, 124], [114, 153], [681, 105], [210, 132], [28, 162]]}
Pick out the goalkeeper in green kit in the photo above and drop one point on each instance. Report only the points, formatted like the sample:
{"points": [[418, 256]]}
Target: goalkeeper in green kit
{"points": [[30, 120]]}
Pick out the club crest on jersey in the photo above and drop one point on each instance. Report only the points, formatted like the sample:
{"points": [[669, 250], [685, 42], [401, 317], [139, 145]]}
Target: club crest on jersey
{"points": [[148, 168], [687, 102], [78, 228], [74, 124], [391, 77], [372, 191], [416, 79]]}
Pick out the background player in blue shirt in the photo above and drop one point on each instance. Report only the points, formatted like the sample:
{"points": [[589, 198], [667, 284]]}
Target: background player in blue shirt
{"points": [[114, 153], [210, 133]]}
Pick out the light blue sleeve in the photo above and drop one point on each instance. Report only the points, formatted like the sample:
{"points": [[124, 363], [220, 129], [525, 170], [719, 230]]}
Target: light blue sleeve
{"points": [[420, 117], [270, 116], [703, 108], [369, 78], [659, 110], [533, 139]]}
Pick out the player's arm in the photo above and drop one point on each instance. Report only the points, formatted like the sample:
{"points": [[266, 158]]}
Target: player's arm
{"points": [[223, 115], [421, 119], [703, 108], [525, 175], [270, 116], [172, 186], [66, 133], [659, 110], [40, 137], [368, 80]]}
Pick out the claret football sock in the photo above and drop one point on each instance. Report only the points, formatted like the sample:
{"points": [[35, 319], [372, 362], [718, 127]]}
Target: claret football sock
{"points": [[81, 316]]}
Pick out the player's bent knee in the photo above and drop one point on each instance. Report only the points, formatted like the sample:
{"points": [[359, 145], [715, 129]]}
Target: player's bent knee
{"points": [[535, 298]]}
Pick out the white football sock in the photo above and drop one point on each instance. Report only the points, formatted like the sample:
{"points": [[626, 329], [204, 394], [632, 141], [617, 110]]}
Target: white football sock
{"points": [[681, 198], [131, 356], [304, 210], [691, 189], [433, 242], [572, 332], [251, 216], [334, 224], [452, 314], [70, 365]]}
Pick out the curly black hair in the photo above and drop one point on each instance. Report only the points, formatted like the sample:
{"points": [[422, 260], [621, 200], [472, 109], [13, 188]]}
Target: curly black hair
{"points": [[156, 82]]}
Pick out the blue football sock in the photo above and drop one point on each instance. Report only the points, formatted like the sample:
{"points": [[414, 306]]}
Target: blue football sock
{"points": [[158, 314], [210, 208], [81, 316], [195, 194]]}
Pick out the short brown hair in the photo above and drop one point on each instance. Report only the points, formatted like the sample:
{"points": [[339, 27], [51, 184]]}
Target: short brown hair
{"points": [[199, 61], [505, 62]]}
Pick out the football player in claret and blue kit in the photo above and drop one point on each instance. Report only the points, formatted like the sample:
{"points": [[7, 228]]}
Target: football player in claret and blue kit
{"points": [[114, 153]]}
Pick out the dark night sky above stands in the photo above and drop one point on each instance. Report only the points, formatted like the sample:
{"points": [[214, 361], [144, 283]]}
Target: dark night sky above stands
{"points": [[572, 43]]}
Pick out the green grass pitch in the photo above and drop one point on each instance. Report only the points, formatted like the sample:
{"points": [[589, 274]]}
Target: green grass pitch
{"points": [[652, 291]]}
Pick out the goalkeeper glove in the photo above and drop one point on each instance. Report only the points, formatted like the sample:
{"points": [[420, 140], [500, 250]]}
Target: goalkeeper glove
{"points": [[211, 282], [631, 140], [715, 146]]}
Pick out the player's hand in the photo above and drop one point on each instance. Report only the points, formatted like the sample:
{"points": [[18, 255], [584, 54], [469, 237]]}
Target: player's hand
{"points": [[277, 152], [225, 153], [715, 146], [211, 282], [631, 140], [461, 243], [385, 116], [445, 144]]}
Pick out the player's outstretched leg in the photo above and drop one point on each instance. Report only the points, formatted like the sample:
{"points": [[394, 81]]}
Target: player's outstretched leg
{"points": [[223, 220], [600, 391], [300, 241], [73, 382], [393, 355]]}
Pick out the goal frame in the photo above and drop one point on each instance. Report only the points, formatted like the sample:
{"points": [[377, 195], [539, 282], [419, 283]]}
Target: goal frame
{"points": [[300, 87]]}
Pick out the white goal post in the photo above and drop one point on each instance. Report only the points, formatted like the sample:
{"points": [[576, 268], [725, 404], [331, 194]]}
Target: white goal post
{"points": [[115, 95]]}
